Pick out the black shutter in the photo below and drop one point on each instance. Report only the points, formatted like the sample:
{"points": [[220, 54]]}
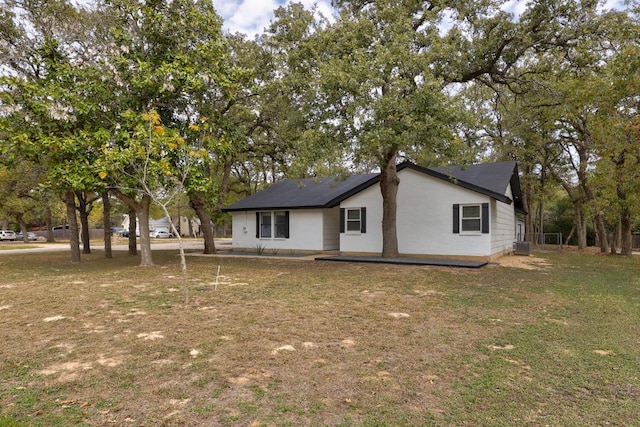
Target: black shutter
{"points": [[485, 218], [257, 225], [363, 220], [286, 224], [342, 220], [456, 218]]}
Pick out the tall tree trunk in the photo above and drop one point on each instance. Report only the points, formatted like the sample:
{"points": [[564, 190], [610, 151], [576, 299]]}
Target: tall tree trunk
{"points": [[389, 183], [49, 222], [615, 238], [142, 209], [133, 241], [528, 220], [581, 225], [598, 219], [74, 241], [626, 248], [199, 206], [625, 220], [145, 241], [84, 227], [23, 228], [106, 220], [601, 230]]}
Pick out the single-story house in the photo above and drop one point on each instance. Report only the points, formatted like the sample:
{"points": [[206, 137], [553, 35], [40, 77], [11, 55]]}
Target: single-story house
{"points": [[458, 212]]}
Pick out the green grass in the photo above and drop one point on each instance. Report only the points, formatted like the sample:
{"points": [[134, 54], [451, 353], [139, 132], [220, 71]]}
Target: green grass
{"points": [[106, 342]]}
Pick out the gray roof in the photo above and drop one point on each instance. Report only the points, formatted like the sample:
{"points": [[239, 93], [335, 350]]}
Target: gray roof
{"points": [[490, 179], [305, 193]]}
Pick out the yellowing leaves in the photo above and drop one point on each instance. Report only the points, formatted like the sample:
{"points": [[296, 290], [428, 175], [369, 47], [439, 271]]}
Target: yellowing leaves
{"points": [[103, 174], [153, 117]]}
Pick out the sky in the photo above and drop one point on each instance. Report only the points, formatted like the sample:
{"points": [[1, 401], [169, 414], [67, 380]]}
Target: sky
{"points": [[251, 17]]}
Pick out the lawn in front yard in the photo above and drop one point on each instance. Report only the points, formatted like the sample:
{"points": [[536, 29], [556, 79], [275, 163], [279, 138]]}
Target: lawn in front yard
{"points": [[290, 342]]}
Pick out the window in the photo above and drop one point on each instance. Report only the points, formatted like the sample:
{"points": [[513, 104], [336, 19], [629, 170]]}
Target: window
{"points": [[272, 225], [265, 224], [353, 220], [471, 220], [281, 225]]}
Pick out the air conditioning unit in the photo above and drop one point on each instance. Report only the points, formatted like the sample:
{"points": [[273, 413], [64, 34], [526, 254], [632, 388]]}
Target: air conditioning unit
{"points": [[522, 248]]}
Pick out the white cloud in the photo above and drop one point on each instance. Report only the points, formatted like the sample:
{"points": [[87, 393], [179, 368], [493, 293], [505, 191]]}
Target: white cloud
{"points": [[251, 17], [516, 7]]}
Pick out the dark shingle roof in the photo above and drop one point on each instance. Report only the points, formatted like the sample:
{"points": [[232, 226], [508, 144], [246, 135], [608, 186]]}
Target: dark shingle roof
{"points": [[305, 193], [490, 179]]}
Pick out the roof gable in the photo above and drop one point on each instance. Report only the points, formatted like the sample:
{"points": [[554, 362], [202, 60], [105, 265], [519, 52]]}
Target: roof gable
{"points": [[491, 179], [305, 193]]}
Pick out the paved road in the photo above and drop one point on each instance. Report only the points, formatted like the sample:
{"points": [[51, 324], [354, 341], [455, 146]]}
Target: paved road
{"points": [[33, 247]]}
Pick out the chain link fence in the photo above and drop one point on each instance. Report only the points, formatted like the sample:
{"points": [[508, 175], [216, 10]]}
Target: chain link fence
{"points": [[545, 241]]}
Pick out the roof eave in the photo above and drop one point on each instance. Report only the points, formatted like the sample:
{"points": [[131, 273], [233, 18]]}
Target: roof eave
{"points": [[270, 208], [355, 190], [455, 181]]}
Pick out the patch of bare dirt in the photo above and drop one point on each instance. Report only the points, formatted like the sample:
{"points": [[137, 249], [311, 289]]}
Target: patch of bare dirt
{"points": [[524, 262]]}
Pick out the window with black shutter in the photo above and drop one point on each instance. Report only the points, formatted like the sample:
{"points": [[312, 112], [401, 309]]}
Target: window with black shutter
{"points": [[471, 218]]}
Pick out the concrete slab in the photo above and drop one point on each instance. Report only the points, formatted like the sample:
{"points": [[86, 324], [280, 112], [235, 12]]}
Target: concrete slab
{"points": [[405, 261]]}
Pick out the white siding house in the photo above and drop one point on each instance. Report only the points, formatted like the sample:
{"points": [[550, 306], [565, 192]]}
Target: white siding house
{"points": [[309, 230], [452, 212]]}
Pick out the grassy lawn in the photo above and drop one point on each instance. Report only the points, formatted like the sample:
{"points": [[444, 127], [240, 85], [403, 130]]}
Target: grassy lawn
{"points": [[299, 343]]}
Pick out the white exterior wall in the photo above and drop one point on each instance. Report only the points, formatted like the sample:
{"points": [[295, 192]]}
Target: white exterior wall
{"points": [[371, 241], [503, 226], [424, 219], [331, 227], [305, 231]]}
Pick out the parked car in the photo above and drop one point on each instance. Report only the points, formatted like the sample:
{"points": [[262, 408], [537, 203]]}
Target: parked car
{"points": [[30, 236], [119, 231], [7, 235], [160, 234]]}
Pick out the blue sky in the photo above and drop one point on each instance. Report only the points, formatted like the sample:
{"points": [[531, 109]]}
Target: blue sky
{"points": [[251, 17]]}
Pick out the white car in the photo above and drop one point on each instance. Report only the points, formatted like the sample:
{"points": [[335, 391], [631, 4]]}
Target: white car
{"points": [[160, 234], [7, 235]]}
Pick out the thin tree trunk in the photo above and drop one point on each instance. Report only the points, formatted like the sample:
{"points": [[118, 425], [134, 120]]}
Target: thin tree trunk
{"points": [[183, 259], [389, 183], [598, 219], [84, 230], [133, 241], [106, 220], [601, 230], [85, 206], [581, 224], [568, 238], [142, 209], [49, 223], [74, 241], [198, 205], [146, 259]]}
